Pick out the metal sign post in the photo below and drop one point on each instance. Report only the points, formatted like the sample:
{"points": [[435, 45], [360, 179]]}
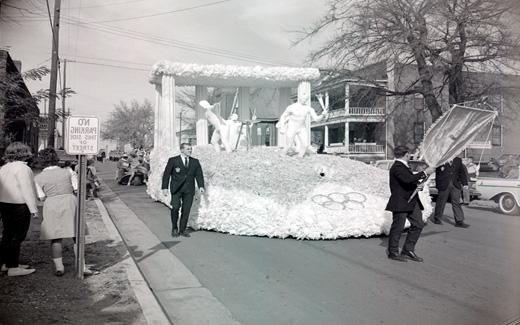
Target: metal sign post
{"points": [[81, 138], [80, 225]]}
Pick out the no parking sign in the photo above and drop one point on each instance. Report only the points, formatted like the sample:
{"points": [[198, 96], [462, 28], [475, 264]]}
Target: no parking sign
{"points": [[81, 135]]}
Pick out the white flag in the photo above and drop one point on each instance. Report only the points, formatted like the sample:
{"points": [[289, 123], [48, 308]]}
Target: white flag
{"points": [[453, 132]]}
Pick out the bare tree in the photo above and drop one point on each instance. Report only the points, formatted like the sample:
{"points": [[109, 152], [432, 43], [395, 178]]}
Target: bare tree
{"points": [[130, 123], [446, 37]]}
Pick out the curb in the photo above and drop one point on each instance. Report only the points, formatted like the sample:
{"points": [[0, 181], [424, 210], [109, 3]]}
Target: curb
{"points": [[184, 300], [150, 307]]}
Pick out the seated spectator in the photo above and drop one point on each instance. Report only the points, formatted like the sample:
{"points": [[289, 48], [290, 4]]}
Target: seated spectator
{"points": [[123, 167]]}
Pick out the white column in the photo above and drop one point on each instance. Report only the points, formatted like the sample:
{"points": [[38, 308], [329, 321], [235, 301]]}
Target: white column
{"points": [[347, 137], [167, 114], [347, 98], [284, 100], [156, 128], [326, 136], [201, 126], [304, 92], [243, 104]]}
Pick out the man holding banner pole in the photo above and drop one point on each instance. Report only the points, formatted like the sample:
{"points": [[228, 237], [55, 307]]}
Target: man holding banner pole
{"points": [[403, 182]]}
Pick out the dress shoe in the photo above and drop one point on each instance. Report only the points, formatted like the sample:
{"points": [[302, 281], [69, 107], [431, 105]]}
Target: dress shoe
{"points": [[185, 234], [17, 271], [22, 266], [461, 224], [59, 272], [396, 257], [436, 221], [175, 233], [411, 256]]}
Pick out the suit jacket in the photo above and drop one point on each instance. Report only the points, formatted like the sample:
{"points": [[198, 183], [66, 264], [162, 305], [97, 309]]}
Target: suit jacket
{"points": [[180, 177], [454, 173], [402, 184]]}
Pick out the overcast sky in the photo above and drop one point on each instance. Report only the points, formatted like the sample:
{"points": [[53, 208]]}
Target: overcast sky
{"points": [[134, 34]]}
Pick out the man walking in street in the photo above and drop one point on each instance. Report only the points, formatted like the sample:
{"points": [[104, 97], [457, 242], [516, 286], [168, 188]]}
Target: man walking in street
{"points": [[180, 174], [402, 184], [450, 178]]}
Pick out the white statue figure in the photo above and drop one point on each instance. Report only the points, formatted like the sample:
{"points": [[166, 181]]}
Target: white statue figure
{"points": [[292, 125], [226, 131]]}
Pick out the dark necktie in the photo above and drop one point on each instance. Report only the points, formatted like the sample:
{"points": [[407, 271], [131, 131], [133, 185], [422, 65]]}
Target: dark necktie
{"points": [[186, 161]]}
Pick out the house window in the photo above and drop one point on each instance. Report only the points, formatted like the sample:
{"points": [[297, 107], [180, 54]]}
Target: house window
{"points": [[418, 132], [336, 133], [336, 98], [496, 135]]}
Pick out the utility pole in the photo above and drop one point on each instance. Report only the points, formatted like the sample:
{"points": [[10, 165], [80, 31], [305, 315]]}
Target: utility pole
{"points": [[54, 75], [63, 103]]}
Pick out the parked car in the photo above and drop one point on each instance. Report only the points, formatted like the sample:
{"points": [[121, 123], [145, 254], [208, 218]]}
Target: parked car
{"points": [[101, 155], [505, 192], [417, 166], [115, 155], [66, 159]]}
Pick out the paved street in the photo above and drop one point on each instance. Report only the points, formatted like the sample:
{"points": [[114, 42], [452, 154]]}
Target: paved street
{"points": [[470, 276]]}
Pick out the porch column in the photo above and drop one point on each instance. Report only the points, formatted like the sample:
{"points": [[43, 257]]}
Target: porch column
{"points": [[167, 120], [326, 136], [347, 137], [347, 98], [304, 92], [201, 126], [284, 100]]}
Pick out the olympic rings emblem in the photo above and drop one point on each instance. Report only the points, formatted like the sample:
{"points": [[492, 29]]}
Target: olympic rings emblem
{"points": [[341, 201]]}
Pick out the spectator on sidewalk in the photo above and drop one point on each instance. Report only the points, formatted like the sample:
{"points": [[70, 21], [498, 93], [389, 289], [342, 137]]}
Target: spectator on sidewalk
{"points": [[92, 179], [17, 205], [55, 186]]}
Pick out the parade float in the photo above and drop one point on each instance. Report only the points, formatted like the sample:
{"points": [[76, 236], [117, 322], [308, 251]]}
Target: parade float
{"points": [[267, 191]]}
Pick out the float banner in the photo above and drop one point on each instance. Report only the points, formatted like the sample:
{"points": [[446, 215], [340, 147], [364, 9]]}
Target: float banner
{"points": [[453, 132]]}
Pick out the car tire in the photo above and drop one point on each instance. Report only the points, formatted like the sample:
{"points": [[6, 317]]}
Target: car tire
{"points": [[507, 204]]}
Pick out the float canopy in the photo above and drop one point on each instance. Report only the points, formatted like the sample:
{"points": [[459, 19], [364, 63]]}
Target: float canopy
{"points": [[231, 76]]}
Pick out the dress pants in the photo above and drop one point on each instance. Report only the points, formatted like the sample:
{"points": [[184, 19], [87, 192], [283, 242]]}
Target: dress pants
{"points": [[399, 219], [454, 195], [16, 219], [182, 201]]}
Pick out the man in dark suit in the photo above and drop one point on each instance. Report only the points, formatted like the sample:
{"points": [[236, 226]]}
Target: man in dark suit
{"points": [[403, 183], [180, 174], [450, 178]]}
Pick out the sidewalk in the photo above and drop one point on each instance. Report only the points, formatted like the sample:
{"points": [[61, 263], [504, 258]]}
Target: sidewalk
{"points": [[117, 295]]}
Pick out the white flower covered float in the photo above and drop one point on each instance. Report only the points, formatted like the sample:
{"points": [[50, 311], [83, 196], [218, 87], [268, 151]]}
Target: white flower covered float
{"points": [[260, 192]]}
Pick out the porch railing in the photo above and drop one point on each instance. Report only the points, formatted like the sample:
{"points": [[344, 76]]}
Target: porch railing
{"points": [[366, 148], [369, 148], [359, 111], [366, 111]]}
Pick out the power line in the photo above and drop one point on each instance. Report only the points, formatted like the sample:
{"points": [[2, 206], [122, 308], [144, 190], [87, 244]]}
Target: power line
{"points": [[107, 4], [161, 13], [111, 65], [172, 42], [168, 42]]}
